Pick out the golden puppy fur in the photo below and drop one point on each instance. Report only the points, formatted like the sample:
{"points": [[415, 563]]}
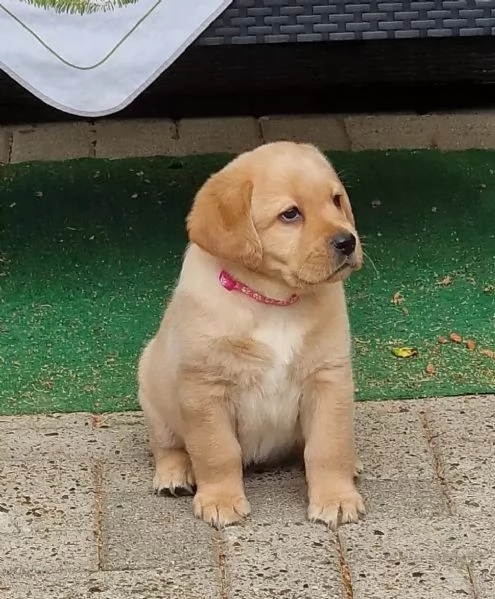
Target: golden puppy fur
{"points": [[229, 381]]}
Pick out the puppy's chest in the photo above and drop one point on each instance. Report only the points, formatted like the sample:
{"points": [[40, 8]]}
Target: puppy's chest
{"points": [[268, 410]]}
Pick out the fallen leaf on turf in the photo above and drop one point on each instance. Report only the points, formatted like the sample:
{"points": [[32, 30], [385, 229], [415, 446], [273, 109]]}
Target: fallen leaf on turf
{"points": [[489, 353], [470, 344], [455, 337], [404, 352], [397, 298], [430, 369], [442, 340], [446, 281]]}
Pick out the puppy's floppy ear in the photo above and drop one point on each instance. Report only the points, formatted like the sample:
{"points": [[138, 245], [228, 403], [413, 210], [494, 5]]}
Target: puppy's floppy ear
{"points": [[347, 208], [220, 220]]}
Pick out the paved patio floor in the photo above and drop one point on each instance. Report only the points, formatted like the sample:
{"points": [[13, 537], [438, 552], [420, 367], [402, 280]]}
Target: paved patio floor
{"points": [[78, 518]]}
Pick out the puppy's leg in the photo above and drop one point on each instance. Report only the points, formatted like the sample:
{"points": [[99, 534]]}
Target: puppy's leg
{"points": [[173, 469], [329, 455], [215, 454]]}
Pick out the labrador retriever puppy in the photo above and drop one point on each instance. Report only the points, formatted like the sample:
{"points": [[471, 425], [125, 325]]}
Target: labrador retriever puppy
{"points": [[252, 358]]}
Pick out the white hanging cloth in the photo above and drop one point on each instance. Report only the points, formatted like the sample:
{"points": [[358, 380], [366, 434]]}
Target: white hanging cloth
{"points": [[96, 61]]}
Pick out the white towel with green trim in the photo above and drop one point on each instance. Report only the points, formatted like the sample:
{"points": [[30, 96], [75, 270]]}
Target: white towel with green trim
{"points": [[93, 57]]}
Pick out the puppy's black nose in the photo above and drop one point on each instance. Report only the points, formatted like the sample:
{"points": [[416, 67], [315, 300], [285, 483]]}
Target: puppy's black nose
{"points": [[345, 243]]}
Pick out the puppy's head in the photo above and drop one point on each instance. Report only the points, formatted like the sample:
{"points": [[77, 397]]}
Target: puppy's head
{"points": [[280, 210]]}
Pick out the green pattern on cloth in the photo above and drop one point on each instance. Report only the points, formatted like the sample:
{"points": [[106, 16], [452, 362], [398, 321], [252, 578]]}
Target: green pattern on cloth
{"points": [[90, 250], [80, 6]]}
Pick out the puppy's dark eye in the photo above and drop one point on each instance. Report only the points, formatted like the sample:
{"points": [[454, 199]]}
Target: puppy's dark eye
{"points": [[337, 200], [291, 215]]}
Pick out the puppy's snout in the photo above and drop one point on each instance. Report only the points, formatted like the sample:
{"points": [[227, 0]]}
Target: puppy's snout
{"points": [[344, 243]]}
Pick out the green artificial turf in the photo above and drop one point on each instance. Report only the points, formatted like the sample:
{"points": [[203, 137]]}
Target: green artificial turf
{"points": [[90, 249]]}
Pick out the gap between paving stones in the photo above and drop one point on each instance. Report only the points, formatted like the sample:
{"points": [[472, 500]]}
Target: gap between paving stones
{"points": [[115, 138]]}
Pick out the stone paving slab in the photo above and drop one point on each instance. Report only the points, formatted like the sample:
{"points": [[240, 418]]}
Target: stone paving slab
{"points": [[48, 552], [383, 426], [282, 559], [416, 579], [484, 576], [464, 435], [325, 131], [47, 141], [148, 137], [408, 557], [159, 583], [114, 138], [141, 530], [78, 518], [5, 137], [39, 496]]}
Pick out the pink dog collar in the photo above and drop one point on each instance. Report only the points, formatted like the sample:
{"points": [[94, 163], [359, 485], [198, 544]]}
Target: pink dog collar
{"points": [[230, 284]]}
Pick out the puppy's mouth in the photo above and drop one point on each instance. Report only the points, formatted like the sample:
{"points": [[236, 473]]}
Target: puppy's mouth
{"points": [[339, 274], [344, 267]]}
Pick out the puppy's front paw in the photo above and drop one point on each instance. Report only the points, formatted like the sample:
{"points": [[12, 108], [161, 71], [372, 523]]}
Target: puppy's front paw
{"points": [[220, 509], [174, 474], [337, 505]]}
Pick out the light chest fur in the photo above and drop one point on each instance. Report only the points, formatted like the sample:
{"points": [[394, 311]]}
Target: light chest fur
{"points": [[267, 413]]}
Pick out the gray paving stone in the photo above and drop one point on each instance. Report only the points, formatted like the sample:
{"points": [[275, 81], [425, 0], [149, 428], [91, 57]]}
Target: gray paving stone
{"points": [[441, 539], [43, 444], [388, 132], [464, 437], [297, 561], [277, 495], [391, 441], [121, 419], [125, 443], [128, 476], [52, 141], [5, 134], [463, 131], [325, 131], [46, 495], [119, 443], [207, 136], [418, 578], [139, 137], [403, 498], [484, 577], [142, 531], [473, 494], [478, 536], [63, 550], [160, 583], [45, 421], [408, 557]]}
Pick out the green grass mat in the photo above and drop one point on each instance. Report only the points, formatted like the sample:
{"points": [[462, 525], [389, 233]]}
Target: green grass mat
{"points": [[90, 249]]}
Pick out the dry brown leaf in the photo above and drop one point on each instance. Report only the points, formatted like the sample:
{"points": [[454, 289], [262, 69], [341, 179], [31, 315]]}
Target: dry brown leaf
{"points": [[397, 298], [430, 369], [489, 353], [455, 337], [446, 281], [442, 340], [470, 344]]}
